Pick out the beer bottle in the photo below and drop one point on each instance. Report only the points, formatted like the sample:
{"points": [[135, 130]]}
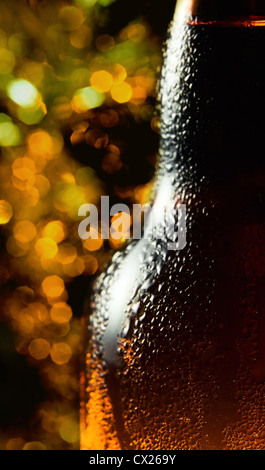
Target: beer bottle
{"points": [[176, 355]]}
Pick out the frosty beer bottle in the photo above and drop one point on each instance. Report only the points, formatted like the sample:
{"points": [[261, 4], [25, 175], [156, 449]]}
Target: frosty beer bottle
{"points": [[176, 355]]}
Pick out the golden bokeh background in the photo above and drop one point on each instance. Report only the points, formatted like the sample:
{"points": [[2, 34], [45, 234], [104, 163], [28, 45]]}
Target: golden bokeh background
{"points": [[78, 120]]}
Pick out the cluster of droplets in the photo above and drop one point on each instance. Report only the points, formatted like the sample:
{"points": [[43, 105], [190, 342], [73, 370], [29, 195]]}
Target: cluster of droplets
{"points": [[147, 303], [165, 328]]}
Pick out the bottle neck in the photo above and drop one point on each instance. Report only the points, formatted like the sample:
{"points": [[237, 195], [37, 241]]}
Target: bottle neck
{"points": [[248, 12]]}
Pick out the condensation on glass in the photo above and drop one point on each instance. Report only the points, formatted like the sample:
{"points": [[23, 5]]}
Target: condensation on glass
{"points": [[176, 351]]}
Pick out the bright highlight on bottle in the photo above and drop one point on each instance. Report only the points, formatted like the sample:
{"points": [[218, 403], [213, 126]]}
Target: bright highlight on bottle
{"points": [[23, 93]]}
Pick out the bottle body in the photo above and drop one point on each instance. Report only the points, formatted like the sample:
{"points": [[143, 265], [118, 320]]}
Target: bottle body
{"points": [[176, 358]]}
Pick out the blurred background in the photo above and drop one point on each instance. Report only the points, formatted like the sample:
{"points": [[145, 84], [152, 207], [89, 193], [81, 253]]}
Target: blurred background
{"points": [[78, 120]]}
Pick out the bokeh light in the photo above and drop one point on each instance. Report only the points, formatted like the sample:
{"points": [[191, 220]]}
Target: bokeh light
{"points": [[101, 81], [53, 286], [87, 98], [23, 93], [121, 92], [39, 348], [6, 212], [9, 132]]}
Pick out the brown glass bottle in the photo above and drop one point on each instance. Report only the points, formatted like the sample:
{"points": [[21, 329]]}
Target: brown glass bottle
{"points": [[176, 358]]}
